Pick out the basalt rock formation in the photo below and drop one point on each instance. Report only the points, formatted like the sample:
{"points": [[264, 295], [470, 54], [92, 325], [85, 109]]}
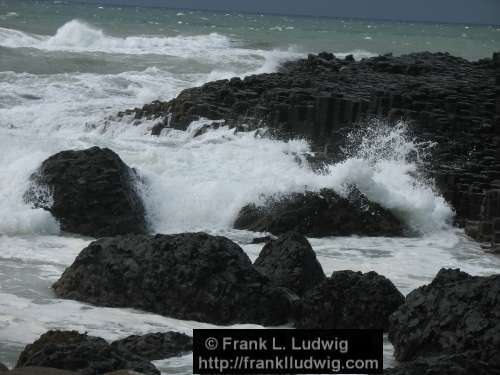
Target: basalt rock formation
{"points": [[458, 364], [87, 355], [349, 300], [290, 262], [90, 192], [156, 346], [191, 276], [447, 100], [455, 315], [320, 214], [34, 370]]}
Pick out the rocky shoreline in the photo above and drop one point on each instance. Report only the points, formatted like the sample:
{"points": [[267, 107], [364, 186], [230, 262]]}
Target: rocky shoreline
{"points": [[446, 100], [451, 326]]}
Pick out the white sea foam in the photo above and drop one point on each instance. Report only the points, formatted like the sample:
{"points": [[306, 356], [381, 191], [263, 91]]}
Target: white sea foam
{"points": [[78, 36], [18, 39], [201, 183], [17, 217], [195, 183], [382, 161]]}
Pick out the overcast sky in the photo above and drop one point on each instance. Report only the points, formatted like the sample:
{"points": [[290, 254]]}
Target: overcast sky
{"points": [[463, 11]]}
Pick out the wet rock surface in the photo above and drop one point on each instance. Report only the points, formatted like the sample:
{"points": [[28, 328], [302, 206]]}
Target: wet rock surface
{"points": [[156, 346], [190, 276], [3, 368], [32, 370], [486, 226], [90, 192], [320, 94], [445, 99], [458, 364], [290, 262], [88, 355], [349, 300], [455, 314], [320, 214]]}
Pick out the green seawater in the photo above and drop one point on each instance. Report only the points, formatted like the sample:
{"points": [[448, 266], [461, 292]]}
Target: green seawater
{"points": [[22, 20]]}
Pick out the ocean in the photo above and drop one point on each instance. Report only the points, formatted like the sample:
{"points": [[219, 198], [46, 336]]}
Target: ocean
{"points": [[67, 69]]}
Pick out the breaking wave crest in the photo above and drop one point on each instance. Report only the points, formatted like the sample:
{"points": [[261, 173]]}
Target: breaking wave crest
{"points": [[207, 179], [78, 36]]}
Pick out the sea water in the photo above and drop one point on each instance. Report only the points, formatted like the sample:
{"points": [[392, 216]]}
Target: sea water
{"points": [[67, 69]]}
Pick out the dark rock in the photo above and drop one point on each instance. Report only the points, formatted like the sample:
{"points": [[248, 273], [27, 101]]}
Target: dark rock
{"points": [[156, 346], [326, 56], [90, 192], [450, 276], [458, 364], [40, 371], [191, 276], [205, 128], [349, 300], [3, 368], [454, 314], [290, 262], [88, 355], [496, 57], [157, 128], [320, 214], [264, 239]]}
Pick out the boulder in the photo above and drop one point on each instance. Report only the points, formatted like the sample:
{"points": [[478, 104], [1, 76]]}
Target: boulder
{"points": [[458, 364], [3, 368], [453, 314], [88, 355], [290, 262], [349, 300], [156, 346], [191, 276], [90, 192], [320, 214]]}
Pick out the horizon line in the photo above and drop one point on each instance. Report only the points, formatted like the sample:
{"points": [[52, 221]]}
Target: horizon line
{"points": [[274, 14]]}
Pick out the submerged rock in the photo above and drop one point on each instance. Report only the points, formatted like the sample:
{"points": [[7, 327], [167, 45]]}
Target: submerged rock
{"points": [[191, 276], [290, 262], [156, 346], [349, 300], [456, 313], [88, 355], [320, 214], [90, 192]]}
